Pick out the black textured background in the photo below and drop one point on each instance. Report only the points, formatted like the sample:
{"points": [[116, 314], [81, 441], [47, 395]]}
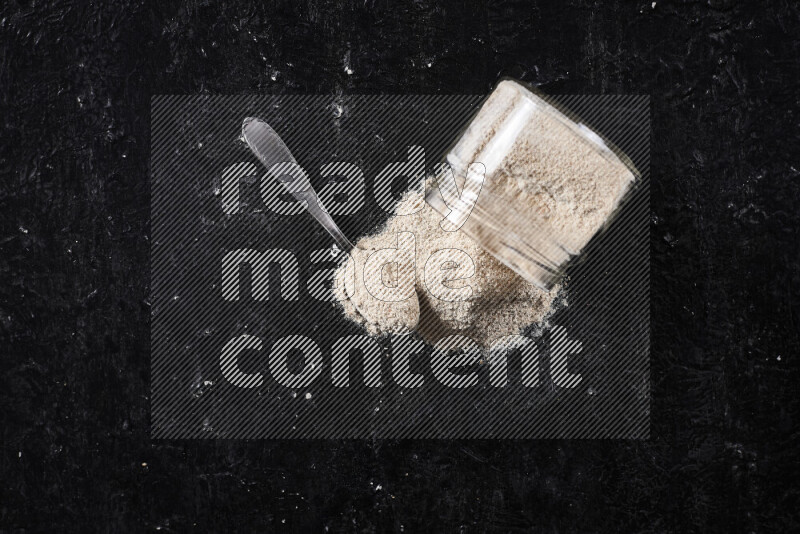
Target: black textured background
{"points": [[75, 82]]}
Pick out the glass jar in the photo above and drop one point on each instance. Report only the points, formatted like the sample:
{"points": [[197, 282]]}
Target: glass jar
{"points": [[529, 184]]}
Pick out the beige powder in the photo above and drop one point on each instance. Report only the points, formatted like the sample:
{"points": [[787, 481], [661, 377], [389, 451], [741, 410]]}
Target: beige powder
{"points": [[500, 302], [556, 179], [555, 168]]}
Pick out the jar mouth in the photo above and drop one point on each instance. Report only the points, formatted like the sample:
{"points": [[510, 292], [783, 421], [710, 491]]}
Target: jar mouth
{"points": [[530, 250]]}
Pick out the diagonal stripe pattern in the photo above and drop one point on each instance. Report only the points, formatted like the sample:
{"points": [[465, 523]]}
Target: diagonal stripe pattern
{"points": [[247, 344]]}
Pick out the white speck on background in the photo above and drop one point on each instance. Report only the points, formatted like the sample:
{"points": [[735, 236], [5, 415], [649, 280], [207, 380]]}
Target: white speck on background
{"points": [[346, 61]]}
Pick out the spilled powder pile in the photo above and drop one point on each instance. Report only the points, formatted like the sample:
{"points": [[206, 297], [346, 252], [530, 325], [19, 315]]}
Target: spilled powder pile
{"points": [[554, 176], [489, 302]]}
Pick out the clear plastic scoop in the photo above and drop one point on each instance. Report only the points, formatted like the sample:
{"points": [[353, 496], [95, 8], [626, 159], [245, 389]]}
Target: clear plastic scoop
{"points": [[270, 149]]}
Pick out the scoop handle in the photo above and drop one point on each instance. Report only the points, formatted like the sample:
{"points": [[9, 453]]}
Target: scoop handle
{"points": [[270, 150], [318, 211]]}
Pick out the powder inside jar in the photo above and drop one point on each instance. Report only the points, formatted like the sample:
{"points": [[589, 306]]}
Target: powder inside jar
{"points": [[556, 170]]}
